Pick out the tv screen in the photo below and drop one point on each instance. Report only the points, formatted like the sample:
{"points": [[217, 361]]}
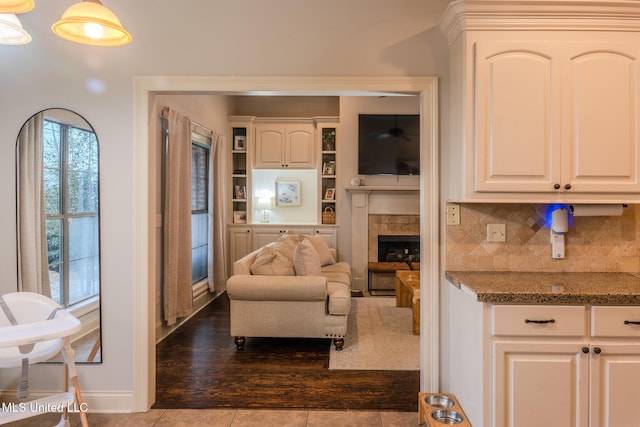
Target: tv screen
{"points": [[389, 144]]}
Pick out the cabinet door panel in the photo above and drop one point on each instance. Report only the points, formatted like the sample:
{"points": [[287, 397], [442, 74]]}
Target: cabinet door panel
{"points": [[269, 147], [540, 384], [601, 93], [518, 133], [299, 147], [615, 375]]}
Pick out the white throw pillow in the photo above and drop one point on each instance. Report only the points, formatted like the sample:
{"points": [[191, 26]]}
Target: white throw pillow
{"points": [[270, 262], [305, 259], [324, 253]]}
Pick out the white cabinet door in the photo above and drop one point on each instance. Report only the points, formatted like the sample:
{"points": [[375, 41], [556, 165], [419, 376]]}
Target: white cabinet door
{"points": [[240, 244], [601, 101], [540, 384], [615, 375], [299, 147], [284, 146], [270, 142], [518, 133]]}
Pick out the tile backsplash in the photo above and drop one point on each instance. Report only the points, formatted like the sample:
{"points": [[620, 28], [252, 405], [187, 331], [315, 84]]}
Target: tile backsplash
{"points": [[602, 244]]}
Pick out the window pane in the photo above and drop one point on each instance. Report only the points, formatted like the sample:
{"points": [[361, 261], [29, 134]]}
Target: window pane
{"points": [[199, 246], [82, 163], [199, 177], [55, 258], [82, 279], [83, 237], [52, 191]]}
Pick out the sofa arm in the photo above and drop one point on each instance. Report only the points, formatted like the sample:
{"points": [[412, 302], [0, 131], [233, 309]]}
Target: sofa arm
{"points": [[277, 288]]}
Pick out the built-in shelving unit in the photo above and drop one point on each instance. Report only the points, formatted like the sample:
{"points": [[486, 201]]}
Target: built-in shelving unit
{"points": [[327, 130], [240, 178]]}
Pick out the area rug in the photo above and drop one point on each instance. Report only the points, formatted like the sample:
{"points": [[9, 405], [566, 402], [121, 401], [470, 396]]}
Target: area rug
{"points": [[378, 337]]}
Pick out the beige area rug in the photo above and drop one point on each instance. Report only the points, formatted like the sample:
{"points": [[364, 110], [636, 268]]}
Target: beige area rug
{"points": [[378, 337]]}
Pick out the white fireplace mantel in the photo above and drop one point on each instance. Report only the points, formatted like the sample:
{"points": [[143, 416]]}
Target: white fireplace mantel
{"points": [[375, 199]]}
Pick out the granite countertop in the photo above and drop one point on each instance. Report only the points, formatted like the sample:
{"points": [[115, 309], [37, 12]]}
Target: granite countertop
{"points": [[549, 288]]}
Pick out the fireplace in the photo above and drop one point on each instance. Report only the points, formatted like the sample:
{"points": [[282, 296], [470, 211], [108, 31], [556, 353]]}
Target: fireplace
{"points": [[398, 248]]}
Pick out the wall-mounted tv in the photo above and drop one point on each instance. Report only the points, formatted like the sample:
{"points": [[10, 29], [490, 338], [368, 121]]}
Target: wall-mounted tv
{"points": [[389, 144]]}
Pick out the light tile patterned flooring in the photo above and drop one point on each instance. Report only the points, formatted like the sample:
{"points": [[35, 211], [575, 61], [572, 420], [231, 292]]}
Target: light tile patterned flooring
{"points": [[235, 418]]}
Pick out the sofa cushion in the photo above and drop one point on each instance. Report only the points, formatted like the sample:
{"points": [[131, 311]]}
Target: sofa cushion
{"points": [[272, 262], [318, 242], [276, 258], [306, 260], [338, 267]]}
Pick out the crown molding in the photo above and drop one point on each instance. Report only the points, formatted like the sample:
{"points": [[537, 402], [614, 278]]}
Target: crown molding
{"points": [[538, 15]]}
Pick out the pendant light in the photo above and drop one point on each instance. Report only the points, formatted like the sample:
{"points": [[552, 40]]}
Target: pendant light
{"points": [[16, 6], [11, 31], [89, 22]]}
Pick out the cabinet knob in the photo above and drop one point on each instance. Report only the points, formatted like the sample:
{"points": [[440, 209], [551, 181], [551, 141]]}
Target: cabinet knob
{"points": [[597, 350], [556, 186], [585, 350], [567, 186]]}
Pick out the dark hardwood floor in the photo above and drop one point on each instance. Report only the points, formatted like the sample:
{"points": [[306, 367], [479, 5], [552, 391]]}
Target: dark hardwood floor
{"points": [[198, 366]]}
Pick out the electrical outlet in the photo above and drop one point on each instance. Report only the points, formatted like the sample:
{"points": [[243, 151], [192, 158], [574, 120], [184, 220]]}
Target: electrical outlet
{"points": [[453, 214], [496, 233]]}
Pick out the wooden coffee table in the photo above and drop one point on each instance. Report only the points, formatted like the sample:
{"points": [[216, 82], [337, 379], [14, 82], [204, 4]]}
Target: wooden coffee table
{"points": [[408, 294]]}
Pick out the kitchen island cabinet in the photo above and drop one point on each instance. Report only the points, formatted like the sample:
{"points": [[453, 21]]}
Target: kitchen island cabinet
{"points": [[531, 349]]}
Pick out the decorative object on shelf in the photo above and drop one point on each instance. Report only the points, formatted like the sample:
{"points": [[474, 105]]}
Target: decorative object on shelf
{"points": [[329, 168], [328, 139], [330, 193], [329, 215], [240, 192], [356, 181], [90, 22], [288, 193], [11, 31], [264, 205], [16, 6], [240, 143], [239, 217]]}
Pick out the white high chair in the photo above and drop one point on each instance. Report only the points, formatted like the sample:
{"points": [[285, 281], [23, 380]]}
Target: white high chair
{"points": [[33, 329]]}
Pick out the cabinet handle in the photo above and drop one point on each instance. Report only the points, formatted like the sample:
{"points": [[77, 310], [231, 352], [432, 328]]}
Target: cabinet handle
{"points": [[597, 350], [585, 350], [556, 186], [567, 186], [631, 322], [539, 321]]}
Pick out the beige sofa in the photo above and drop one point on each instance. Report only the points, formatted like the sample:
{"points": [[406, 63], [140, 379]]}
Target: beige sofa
{"points": [[277, 302]]}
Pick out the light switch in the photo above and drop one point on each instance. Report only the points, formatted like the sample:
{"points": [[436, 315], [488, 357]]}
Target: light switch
{"points": [[496, 233]]}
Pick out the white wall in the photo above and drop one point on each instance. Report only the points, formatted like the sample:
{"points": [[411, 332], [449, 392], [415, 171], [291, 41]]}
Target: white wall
{"points": [[188, 38]]}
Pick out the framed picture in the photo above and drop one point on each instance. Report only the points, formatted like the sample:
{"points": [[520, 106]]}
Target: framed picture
{"points": [[329, 168], [239, 142], [240, 192], [288, 193], [239, 217], [330, 193]]}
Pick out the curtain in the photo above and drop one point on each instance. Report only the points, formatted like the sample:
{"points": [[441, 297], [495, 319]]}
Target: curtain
{"points": [[33, 265], [217, 183], [177, 293]]}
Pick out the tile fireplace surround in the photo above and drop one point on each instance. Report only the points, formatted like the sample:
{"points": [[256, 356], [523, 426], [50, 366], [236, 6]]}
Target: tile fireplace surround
{"points": [[379, 210]]}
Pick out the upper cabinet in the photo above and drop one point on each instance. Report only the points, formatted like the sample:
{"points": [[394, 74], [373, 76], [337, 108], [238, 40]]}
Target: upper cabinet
{"points": [[284, 145], [542, 116]]}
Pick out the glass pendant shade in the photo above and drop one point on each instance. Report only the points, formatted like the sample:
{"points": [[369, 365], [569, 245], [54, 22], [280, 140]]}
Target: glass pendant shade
{"points": [[89, 22], [16, 6], [11, 31]]}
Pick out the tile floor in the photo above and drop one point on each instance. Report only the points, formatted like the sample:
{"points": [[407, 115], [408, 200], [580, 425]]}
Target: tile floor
{"points": [[235, 418]]}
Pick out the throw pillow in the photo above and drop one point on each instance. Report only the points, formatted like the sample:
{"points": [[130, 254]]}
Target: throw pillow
{"points": [[305, 259], [318, 242], [270, 262]]}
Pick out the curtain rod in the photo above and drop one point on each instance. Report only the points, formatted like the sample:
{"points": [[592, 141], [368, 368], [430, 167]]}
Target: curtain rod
{"points": [[165, 111]]}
